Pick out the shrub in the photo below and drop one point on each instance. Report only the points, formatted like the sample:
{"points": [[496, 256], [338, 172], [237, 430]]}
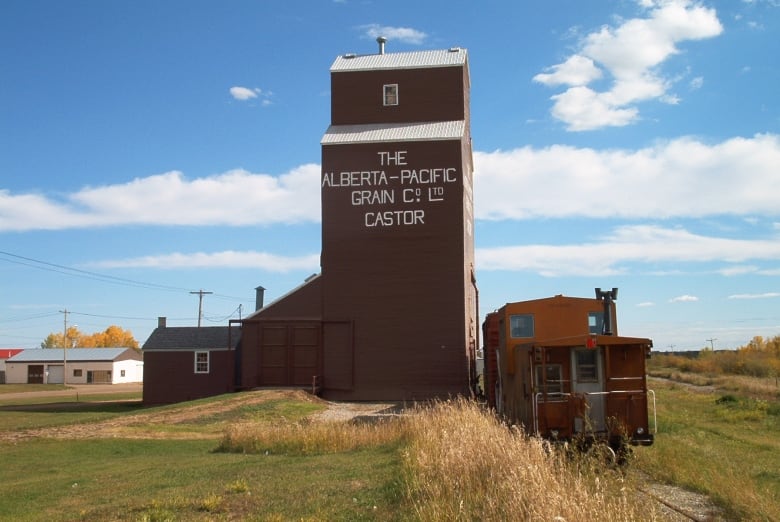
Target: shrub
{"points": [[724, 399]]}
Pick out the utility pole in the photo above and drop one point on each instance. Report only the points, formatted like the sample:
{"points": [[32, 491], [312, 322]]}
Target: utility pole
{"points": [[200, 293], [712, 343], [64, 346]]}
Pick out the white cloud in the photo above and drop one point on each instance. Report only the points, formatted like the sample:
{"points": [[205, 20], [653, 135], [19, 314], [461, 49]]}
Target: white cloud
{"points": [[680, 178], [738, 270], [684, 299], [646, 304], [243, 93], [585, 109], [577, 70], [402, 34], [766, 295], [632, 54], [246, 94], [635, 244], [225, 259], [235, 198], [696, 83]]}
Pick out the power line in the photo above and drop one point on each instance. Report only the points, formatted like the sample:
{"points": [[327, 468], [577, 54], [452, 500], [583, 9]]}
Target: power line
{"points": [[77, 272], [222, 319], [28, 318], [96, 276], [125, 317]]}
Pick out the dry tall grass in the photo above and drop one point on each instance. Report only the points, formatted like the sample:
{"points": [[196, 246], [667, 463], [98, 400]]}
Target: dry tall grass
{"points": [[308, 438], [463, 464]]}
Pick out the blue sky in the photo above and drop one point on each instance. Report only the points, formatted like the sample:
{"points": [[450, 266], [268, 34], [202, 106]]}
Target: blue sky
{"points": [[150, 149]]}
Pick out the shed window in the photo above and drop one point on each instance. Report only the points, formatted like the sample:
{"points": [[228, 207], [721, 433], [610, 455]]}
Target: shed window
{"points": [[390, 94], [77, 373], [201, 362], [521, 326]]}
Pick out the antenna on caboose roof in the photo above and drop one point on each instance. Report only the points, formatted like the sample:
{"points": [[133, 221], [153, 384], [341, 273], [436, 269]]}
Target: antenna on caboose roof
{"points": [[608, 296]]}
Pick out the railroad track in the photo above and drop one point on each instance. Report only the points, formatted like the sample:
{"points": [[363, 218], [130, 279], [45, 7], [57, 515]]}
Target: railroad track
{"points": [[682, 505]]}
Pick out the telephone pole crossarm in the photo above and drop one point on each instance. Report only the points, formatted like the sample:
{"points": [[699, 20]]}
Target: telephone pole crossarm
{"points": [[200, 294]]}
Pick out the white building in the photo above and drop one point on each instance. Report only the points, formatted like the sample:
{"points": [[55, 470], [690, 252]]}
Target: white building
{"points": [[6, 353], [75, 366]]}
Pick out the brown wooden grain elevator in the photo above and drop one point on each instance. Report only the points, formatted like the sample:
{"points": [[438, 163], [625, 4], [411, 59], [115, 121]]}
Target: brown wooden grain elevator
{"points": [[393, 313]]}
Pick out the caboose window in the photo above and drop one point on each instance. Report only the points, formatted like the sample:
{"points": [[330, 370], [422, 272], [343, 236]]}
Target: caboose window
{"points": [[521, 326], [587, 366], [596, 322], [548, 378], [390, 94]]}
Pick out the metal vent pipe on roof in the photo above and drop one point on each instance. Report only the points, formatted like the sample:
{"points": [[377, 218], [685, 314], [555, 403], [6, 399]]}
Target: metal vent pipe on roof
{"points": [[608, 296], [259, 296], [381, 41]]}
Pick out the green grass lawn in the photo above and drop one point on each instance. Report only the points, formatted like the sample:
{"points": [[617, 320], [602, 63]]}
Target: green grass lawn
{"points": [[158, 479], [46, 415], [162, 464], [186, 480], [19, 388], [721, 444]]}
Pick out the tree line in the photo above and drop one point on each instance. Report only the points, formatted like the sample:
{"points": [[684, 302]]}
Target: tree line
{"points": [[760, 357], [112, 337]]}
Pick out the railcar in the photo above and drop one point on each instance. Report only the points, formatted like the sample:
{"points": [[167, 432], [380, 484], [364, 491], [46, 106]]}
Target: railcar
{"points": [[557, 367]]}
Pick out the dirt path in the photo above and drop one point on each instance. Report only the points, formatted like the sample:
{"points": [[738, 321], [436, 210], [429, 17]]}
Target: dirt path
{"points": [[134, 425]]}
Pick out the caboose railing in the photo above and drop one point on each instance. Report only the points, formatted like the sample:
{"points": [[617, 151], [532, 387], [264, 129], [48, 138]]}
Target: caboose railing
{"points": [[565, 397], [562, 397], [655, 419]]}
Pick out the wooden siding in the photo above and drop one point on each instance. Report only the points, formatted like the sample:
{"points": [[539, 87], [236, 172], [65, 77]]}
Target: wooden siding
{"points": [[405, 284], [271, 355], [395, 306], [435, 94], [169, 376]]}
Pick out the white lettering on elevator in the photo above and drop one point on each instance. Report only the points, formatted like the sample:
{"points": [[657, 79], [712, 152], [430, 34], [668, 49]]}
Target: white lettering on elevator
{"points": [[389, 189]]}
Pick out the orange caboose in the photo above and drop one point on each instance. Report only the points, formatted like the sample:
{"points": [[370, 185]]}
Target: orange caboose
{"points": [[557, 367]]}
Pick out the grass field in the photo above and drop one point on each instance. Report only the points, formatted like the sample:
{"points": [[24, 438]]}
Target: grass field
{"points": [[721, 442], [26, 388], [164, 466], [259, 456], [186, 480]]}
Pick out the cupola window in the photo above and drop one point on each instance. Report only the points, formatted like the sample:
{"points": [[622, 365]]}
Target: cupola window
{"points": [[390, 94]]}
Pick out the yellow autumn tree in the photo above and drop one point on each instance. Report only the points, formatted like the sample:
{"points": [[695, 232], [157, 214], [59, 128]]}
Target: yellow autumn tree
{"points": [[112, 337], [58, 340]]}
